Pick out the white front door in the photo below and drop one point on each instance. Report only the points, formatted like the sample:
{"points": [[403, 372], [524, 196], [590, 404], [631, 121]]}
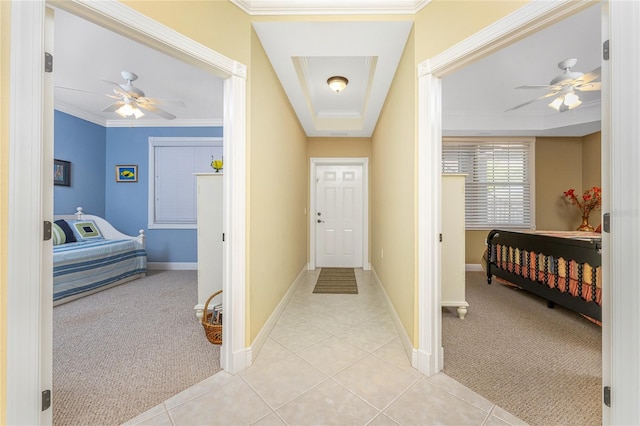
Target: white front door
{"points": [[339, 215]]}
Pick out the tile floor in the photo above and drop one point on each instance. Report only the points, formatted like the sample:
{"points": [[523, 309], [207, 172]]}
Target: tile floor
{"points": [[330, 360]]}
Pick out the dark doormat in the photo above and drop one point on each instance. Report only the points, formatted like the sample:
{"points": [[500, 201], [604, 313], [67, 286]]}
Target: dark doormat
{"points": [[336, 281]]}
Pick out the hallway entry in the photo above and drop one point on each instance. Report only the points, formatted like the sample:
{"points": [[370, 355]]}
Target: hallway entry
{"points": [[338, 205]]}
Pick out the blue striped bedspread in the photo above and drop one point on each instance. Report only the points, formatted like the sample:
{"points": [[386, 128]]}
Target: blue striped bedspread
{"points": [[90, 264]]}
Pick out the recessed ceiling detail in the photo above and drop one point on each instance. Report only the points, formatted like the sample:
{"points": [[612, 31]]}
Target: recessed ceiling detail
{"points": [[305, 54], [330, 7]]}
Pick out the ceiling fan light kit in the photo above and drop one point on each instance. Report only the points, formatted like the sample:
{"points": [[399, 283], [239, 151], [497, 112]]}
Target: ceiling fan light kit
{"points": [[337, 83]]}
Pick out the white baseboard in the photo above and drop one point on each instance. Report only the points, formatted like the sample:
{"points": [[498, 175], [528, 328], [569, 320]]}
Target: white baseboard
{"points": [[262, 336], [412, 353], [473, 267], [172, 266]]}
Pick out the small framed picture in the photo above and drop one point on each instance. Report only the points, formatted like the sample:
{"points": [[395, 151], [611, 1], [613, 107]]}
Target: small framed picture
{"points": [[61, 172], [127, 173]]}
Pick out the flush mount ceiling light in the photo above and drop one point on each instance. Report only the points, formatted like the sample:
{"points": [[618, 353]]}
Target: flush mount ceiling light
{"points": [[337, 83]]}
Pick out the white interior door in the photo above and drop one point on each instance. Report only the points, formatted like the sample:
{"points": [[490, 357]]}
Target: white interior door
{"points": [[339, 215]]}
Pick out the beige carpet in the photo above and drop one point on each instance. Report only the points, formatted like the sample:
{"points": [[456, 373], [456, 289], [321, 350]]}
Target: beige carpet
{"points": [[119, 352], [543, 365], [336, 281]]}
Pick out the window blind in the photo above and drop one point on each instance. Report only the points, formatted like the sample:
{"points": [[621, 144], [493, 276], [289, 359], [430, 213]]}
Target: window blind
{"points": [[174, 184], [498, 185]]}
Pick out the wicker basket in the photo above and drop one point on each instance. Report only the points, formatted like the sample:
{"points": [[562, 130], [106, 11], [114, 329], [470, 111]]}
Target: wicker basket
{"points": [[212, 328]]}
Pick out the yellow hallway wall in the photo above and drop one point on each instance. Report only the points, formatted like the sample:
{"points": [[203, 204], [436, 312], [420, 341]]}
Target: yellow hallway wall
{"points": [[393, 183], [278, 223]]}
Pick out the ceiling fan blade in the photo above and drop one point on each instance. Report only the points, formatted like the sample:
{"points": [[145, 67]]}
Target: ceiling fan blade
{"points": [[85, 91], [534, 86], [548, 95], [157, 111], [113, 107], [158, 101], [590, 76], [589, 87]]}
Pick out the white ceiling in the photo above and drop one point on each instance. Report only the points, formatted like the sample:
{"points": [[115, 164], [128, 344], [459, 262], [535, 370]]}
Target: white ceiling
{"points": [[305, 54]]}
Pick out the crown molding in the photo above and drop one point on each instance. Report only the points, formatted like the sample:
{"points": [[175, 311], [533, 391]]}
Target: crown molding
{"points": [[330, 7], [152, 122], [78, 113]]}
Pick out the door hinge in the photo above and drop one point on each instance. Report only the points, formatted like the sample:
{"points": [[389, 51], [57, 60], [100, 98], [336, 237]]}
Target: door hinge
{"points": [[223, 237], [607, 396], [605, 50], [46, 399], [46, 236], [606, 222], [440, 237], [48, 62]]}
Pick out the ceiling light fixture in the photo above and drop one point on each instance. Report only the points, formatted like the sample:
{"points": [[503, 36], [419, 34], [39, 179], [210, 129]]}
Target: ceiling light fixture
{"points": [[566, 102], [128, 110], [337, 83]]}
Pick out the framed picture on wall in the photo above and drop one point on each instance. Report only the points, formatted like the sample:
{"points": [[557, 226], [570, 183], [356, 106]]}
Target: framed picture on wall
{"points": [[127, 173], [61, 172]]}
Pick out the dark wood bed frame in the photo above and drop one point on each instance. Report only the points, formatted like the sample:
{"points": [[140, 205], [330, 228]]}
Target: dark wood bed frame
{"points": [[552, 248]]}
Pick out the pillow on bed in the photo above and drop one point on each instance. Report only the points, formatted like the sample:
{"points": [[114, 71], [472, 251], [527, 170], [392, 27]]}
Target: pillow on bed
{"points": [[85, 230], [62, 233]]}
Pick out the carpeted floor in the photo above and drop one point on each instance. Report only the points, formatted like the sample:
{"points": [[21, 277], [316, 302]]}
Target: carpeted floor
{"points": [[543, 365], [336, 281], [119, 352]]}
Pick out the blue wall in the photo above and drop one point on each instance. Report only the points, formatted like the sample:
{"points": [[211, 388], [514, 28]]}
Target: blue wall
{"points": [[94, 151], [83, 144], [127, 204]]}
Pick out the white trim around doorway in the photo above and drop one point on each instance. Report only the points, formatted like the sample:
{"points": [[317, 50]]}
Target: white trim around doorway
{"points": [[25, 208], [358, 161]]}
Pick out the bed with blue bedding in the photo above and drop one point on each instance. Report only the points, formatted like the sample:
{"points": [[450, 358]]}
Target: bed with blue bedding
{"points": [[90, 255]]}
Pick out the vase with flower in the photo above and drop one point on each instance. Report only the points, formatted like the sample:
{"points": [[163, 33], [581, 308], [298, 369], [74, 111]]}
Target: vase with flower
{"points": [[591, 199]]}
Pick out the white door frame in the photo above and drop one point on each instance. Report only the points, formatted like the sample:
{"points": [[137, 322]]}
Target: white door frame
{"points": [[26, 215], [624, 20], [356, 161]]}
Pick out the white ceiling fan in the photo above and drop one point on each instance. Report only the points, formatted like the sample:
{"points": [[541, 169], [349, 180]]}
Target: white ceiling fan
{"points": [[131, 101], [565, 86]]}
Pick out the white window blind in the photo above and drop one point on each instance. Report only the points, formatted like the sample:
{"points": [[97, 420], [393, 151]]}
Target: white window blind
{"points": [[499, 182], [172, 183]]}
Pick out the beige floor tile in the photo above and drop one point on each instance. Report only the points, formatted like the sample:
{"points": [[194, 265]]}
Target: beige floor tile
{"points": [[382, 420], [162, 419], [369, 335], [394, 353], [507, 417], [215, 381], [425, 404], [284, 381], [271, 352], [455, 388], [495, 421], [327, 404], [270, 420], [298, 335], [158, 410], [234, 403], [332, 355], [376, 381]]}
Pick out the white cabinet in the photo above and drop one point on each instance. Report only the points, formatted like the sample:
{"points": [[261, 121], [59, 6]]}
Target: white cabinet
{"points": [[453, 243], [209, 238]]}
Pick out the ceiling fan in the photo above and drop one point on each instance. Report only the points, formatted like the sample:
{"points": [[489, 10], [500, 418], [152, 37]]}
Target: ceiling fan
{"points": [[131, 101], [565, 85]]}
